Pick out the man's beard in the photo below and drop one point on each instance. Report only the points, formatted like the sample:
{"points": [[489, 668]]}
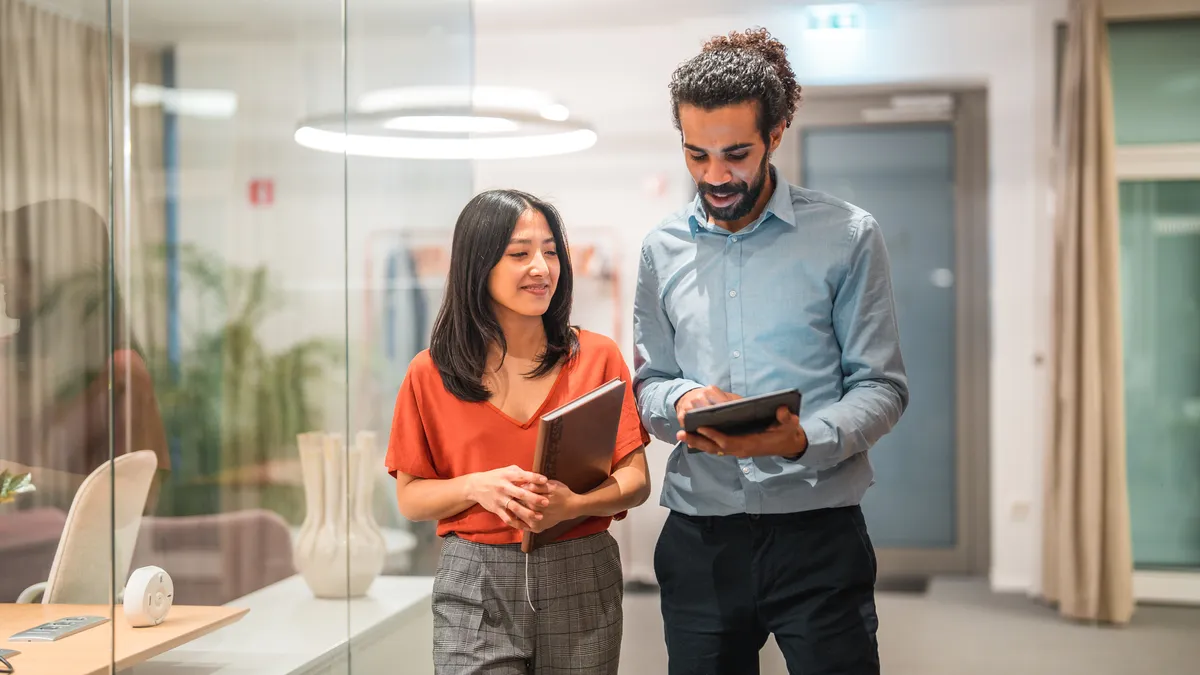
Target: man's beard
{"points": [[742, 207]]}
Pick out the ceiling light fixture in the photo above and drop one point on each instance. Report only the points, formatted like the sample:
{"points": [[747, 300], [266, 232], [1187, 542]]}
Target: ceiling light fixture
{"points": [[510, 99], [452, 124], [449, 123], [209, 103]]}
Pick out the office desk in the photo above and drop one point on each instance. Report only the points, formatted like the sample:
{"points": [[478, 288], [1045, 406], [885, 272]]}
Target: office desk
{"points": [[289, 632], [91, 652]]}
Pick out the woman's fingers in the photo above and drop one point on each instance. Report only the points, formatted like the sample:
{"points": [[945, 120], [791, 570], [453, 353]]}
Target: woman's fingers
{"points": [[508, 518], [522, 495], [516, 474], [527, 516]]}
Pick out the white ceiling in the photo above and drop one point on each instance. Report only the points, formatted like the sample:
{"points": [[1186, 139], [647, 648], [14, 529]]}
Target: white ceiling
{"points": [[179, 20]]}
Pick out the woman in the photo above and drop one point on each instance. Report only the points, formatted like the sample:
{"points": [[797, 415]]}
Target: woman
{"points": [[463, 434]]}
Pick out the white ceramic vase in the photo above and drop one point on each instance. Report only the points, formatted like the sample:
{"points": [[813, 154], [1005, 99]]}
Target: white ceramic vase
{"points": [[339, 550]]}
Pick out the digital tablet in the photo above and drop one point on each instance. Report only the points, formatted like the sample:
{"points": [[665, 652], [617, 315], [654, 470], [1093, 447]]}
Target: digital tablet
{"points": [[749, 415]]}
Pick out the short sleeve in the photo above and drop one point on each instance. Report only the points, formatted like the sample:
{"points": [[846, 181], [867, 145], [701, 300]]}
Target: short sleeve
{"points": [[631, 435], [408, 447]]}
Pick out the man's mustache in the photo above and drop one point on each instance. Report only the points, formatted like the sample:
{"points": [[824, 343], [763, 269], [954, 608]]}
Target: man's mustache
{"points": [[724, 190]]}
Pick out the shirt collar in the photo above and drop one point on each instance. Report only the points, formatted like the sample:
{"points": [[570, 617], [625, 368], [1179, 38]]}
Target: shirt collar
{"points": [[780, 206]]}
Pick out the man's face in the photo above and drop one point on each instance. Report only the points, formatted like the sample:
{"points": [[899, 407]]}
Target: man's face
{"points": [[727, 157]]}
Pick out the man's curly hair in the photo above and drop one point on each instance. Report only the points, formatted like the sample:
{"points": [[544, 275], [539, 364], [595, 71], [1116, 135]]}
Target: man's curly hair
{"points": [[742, 66]]}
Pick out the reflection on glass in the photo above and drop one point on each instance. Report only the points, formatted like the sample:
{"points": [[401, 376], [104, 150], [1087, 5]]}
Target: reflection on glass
{"points": [[1156, 86], [72, 388]]}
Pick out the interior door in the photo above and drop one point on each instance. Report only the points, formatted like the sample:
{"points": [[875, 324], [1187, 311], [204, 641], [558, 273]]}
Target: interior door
{"points": [[917, 164]]}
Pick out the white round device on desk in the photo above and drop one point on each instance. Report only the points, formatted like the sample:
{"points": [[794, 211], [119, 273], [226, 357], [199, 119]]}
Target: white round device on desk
{"points": [[148, 596]]}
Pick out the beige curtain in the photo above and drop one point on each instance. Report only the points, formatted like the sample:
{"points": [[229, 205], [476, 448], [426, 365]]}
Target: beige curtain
{"points": [[62, 198], [54, 140], [1087, 562]]}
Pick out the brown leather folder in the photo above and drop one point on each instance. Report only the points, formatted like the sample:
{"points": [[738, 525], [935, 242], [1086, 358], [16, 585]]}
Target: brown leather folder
{"points": [[575, 446]]}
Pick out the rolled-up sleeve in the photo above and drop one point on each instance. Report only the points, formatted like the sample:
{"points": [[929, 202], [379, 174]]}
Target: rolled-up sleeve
{"points": [[657, 379], [875, 385]]}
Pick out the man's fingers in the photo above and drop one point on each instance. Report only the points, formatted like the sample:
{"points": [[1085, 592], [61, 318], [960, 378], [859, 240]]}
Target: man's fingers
{"points": [[697, 442], [716, 395], [701, 443], [786, 417], [542, 489], [719, 439]]}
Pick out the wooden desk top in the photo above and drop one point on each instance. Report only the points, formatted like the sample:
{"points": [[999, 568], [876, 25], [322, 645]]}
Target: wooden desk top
{"points": [[91, 652]]}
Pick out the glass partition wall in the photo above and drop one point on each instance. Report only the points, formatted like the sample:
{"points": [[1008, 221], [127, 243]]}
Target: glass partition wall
{"points": [[225, 229]]}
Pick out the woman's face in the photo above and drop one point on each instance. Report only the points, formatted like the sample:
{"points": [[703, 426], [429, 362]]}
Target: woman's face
{"points": [[524, 280], [16, 278]]}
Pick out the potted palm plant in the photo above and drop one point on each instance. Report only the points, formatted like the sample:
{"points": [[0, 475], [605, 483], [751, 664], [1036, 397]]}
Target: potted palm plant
{"points": [[229, 402]]}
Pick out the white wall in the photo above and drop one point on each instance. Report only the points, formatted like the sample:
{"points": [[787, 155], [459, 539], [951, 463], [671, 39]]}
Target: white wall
{"points": [[616, 78]]}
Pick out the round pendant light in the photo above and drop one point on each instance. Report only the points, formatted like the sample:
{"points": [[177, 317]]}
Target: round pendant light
{"points": [[449, 123]]}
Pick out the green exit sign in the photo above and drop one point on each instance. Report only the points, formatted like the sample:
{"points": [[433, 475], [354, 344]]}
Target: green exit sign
{"points": [[846, 16]]}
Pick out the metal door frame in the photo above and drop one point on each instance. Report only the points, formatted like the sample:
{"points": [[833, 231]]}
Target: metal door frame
{"points": [[871, 106]]}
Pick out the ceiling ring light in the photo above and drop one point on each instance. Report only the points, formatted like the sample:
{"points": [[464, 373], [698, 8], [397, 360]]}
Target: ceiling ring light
{"points": [[449, 123], [507, 98]]}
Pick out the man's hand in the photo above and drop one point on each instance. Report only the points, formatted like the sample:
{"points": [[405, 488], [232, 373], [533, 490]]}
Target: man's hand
{"points": [[701, 398], [559, 504], [785, 438]]}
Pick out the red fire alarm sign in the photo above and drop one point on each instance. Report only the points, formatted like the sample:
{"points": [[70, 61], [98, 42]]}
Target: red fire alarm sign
{"points": [[262, 192]]}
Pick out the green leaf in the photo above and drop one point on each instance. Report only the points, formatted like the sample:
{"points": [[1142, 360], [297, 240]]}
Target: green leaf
{"points": [[12, 485]]}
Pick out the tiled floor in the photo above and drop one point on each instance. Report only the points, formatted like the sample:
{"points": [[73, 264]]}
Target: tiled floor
{"points": [[959, 628]]}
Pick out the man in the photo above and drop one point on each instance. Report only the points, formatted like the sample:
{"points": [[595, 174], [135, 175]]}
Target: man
{"points": [[759, 286]]}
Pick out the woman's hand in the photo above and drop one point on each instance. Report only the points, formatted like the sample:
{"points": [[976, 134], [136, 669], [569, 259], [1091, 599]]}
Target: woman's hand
{"points": [[507, 492], [559, 504]]}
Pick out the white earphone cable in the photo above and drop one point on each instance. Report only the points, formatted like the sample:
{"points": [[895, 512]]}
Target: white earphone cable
{"points": [[528, 595]]}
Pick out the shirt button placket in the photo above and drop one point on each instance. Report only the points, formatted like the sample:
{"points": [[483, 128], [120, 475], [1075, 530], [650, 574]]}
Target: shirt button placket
{"points": [[733, 315], [737, 364]]}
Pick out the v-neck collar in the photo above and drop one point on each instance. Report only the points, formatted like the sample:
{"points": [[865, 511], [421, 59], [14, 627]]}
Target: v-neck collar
{"points": [[537, 414]]}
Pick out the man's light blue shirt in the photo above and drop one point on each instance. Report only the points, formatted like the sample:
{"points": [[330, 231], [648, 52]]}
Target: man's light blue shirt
{"points": [[802, 298]]}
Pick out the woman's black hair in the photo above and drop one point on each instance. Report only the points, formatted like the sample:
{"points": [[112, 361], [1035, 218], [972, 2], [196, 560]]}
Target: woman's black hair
{"points": [[466, 326]]}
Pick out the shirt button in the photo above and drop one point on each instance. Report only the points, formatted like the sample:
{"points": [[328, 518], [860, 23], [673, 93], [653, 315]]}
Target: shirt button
{"points": [[734, 239], [746, 470], [733, 294], [736, 354]]}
